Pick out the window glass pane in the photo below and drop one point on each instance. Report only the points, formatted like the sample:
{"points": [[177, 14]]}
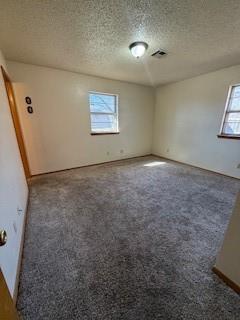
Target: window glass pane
{"points": [[232, 123], [235, 91], [102, 103], [234, 104], [103, 123]]}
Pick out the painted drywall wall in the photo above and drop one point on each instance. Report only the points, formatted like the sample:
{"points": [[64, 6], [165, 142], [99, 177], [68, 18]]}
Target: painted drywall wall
{"points": [[188, 116], [13, 192], [57, 134], [228, 260]]}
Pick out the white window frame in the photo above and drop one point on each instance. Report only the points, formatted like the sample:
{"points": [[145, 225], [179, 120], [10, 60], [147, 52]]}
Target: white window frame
{"points": [[226, 111], [116, 113]]}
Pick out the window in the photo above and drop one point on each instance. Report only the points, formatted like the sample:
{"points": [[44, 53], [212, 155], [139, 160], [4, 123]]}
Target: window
{"points": [[231, 119], [103, 112]]}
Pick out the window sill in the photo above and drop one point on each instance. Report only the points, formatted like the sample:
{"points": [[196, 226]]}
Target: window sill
{"points": [[103, 133], [228, 136]]}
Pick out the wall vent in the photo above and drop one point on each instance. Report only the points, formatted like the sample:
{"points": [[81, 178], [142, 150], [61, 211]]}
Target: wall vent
{"points": [[159, 54]]}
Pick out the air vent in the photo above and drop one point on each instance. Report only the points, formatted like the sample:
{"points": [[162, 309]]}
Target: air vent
{"points": [[159, 54]]}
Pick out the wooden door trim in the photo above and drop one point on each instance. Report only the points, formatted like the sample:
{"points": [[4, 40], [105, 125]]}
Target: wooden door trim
{"points": [[16, 123], [8, 310]]}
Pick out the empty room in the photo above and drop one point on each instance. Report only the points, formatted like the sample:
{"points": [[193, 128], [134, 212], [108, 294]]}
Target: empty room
{"points": [[119, 160]]}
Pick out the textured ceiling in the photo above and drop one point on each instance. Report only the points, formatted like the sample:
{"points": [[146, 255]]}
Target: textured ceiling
{"points": [[92, 37]]}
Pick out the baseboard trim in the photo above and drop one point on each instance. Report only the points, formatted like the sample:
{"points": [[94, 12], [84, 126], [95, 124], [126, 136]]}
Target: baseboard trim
{"points": [[92, 165], [191, 165], [146, 155], [15, 294], [226, 280]]}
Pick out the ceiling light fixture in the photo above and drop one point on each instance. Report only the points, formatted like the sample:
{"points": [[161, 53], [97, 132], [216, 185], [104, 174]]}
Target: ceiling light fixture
{"points": [[138, 48]]}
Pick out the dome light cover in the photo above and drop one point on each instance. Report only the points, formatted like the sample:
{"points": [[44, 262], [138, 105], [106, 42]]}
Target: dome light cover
{"points": [[138, 48]]}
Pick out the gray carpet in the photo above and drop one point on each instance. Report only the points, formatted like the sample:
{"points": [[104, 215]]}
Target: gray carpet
{"points": [[127, 241]]}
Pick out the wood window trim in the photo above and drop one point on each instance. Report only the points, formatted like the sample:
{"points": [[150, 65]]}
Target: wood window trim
{"points": [[115, 114], [228, 136], [227, 111], [103, 133]]}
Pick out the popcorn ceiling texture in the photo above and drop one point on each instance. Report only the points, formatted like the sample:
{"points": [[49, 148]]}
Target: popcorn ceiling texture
{"points": [[124, 241], [92, 37]]}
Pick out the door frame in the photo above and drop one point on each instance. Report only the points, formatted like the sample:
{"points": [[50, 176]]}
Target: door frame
{"points": [[16, 122], [8, 310]]}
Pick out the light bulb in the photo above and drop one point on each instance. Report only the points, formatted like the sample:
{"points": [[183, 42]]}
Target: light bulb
{"points": [[138, 49]]}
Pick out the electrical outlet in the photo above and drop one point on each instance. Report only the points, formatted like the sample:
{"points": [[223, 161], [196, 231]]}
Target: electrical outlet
{"points": [[167, 150], [15, 226], [121, 151], [108, 153], [238, 166]]}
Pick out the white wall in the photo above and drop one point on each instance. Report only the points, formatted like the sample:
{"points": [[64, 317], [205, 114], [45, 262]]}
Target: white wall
{"points": [[187, 120], [57, 134], [13, 191], [228, 260], [188, 116]]}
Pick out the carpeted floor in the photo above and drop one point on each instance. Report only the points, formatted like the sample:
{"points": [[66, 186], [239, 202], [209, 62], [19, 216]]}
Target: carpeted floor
{"points": [[128, 240]]}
